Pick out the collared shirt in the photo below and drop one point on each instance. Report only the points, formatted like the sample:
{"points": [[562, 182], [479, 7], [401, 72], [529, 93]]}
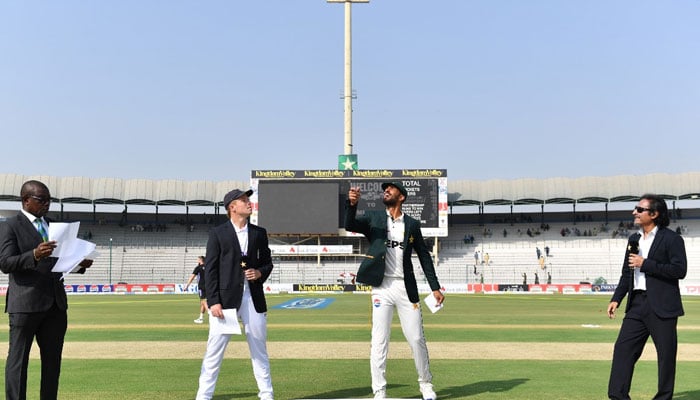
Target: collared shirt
{"points": [[640, 279], [394, 246], [242, 235], [32, 218]]}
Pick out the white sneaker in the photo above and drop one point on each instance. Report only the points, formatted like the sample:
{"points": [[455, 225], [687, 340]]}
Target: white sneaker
{"points": [[198, 321], [380, 394], [428, 392]]}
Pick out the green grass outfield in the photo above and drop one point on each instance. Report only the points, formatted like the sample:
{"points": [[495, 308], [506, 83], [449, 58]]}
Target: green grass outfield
{"points": [[482, 347]]}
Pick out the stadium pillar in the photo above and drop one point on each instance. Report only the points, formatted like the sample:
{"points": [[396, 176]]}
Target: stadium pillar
{"points": [[110, 261], [606, 213], [542, 214]]}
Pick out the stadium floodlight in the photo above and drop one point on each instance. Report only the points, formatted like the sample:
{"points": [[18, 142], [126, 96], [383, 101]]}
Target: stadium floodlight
{"points": [[347, 93]]}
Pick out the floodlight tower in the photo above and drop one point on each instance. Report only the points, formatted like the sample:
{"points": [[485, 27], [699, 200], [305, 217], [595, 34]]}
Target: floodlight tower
{"points": [[348, 160]]}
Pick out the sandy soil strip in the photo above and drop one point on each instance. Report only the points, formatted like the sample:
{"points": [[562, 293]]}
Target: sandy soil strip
{"points": [[359, 350]]}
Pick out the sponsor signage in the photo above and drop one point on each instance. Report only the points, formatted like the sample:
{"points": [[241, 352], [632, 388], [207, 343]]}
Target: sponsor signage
{"points": [[310, 249], [329, 288]]}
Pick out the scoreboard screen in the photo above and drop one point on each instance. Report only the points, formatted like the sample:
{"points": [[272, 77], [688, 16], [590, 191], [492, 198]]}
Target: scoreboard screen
{"points": [[421, 202], [301, 207], [313, 202]]}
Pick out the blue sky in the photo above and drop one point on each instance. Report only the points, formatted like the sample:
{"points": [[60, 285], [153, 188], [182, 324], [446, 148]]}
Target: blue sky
{"points": [[486, 89]]}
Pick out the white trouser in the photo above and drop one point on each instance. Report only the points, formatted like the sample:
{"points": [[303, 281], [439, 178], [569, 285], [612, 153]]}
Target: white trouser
{"points": [[255, 326], [392, 293]]}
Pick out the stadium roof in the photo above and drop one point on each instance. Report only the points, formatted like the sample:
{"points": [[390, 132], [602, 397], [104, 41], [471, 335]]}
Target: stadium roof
{"points": [[83, 190]]}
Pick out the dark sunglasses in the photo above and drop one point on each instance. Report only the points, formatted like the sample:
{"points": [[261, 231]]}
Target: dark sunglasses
{"points": [[42, 200], [641, 209]]}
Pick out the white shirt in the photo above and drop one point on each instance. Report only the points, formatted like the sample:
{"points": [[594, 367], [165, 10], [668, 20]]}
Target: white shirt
{"points": [[640, 279], [394, 246], [32, 218], [242, 235]]}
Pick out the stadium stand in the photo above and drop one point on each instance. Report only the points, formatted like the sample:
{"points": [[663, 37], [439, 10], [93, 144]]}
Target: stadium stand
{"points": [[170, 256], [162, 248]]}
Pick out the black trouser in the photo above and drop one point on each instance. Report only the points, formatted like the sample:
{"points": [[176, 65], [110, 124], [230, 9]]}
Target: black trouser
{"points": [[49, 328], [639, 323]]}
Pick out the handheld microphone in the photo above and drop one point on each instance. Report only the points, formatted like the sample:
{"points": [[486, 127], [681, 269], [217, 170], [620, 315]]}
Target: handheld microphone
{"points": [[633, 246]]}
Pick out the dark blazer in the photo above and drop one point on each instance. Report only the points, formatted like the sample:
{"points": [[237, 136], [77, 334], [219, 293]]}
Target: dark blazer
{"points": [[32, 286], [223, 273], [664, 266], [371, 271]]}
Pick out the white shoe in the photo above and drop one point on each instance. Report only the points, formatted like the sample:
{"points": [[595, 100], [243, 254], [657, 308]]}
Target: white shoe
{"points": [[428, 392], [380, 394], [198, 321]]}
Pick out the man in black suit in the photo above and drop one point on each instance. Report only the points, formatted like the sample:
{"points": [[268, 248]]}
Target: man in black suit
{"points": [[655, 261], [393, 236], [36, 299], [238, 261]]}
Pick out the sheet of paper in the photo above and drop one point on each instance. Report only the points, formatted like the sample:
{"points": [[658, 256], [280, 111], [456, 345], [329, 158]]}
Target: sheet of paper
{"points": [[69, 250], [432, 304], [225, 326], [63, 233], [80, 250]]}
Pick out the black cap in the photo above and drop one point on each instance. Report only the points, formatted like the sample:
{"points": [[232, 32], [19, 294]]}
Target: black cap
{"points": [[397, 185], [234, 194]]}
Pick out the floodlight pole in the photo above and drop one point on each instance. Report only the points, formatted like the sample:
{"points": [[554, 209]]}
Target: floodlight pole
{"points": [[347, 92]]}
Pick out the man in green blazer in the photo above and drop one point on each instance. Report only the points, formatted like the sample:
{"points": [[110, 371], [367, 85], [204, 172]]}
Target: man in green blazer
{"points": [[393, 236]]}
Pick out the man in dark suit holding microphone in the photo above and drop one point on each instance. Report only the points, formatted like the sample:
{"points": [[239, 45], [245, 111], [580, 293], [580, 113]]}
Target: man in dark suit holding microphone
{"points": [[238, 261], [655, 261], [36, 299]]}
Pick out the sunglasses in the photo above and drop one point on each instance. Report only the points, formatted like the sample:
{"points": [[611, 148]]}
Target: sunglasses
{"points": [[42, 200], [641, 209]]}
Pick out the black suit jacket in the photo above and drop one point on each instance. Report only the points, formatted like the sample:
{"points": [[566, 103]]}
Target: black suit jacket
{"points": [[223, 273], [371, 271], [663, 267], [32, 286]]}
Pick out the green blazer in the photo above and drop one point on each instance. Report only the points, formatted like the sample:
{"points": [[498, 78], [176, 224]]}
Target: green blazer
{"points": [[373, 226]]}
